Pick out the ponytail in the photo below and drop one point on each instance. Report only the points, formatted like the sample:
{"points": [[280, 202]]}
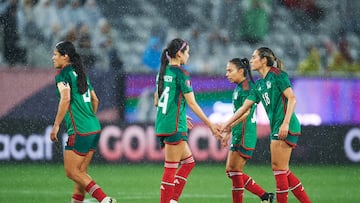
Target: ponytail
{"points": [[164, 62], [81, 76], [270, 57], [279, 64], [246, 66]]}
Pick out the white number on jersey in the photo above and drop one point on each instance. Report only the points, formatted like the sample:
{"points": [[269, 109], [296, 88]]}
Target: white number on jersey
{"points": [[163, 101], [266, 98], [86, 96]]}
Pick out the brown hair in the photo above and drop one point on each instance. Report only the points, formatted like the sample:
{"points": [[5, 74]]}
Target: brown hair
{"points": [[270, 57]]}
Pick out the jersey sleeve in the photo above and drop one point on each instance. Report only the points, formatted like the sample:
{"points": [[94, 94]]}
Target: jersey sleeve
{"points": [[185, 83], [283, 81], [253, 96], [63, 77]]}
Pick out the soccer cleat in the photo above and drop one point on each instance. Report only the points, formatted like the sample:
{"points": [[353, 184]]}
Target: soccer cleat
{"points": [[108, 200], [268, 198]]}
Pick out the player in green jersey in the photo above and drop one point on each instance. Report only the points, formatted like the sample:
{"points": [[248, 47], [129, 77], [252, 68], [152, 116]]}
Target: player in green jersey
{"points": [[243, 132], [173, 92], [78, 104], [275, 93]]}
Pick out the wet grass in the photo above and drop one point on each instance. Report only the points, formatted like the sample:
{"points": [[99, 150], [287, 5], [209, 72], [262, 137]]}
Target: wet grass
{"points": [[140, 183]]}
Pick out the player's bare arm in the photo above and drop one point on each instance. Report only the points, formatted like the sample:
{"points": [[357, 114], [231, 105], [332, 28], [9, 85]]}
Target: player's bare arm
{"points": [[242, 118], [64, 103], [94, 101], [190, 100], [238, 114], [156, 99], [284, 128]]}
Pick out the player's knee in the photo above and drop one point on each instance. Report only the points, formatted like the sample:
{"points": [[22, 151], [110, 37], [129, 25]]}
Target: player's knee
{"points": [[70, 174], [278, 166], [230, 167], [233, 167]]}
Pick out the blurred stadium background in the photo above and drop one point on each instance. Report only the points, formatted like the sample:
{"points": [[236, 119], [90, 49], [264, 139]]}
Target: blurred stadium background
{"points": [[318, 41]]}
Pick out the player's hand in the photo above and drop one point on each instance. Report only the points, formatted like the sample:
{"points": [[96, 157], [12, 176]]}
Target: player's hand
{"points": [[188, 122], [224, 128], [53, 133], [225, 140], [215, 129], [283, 131]]}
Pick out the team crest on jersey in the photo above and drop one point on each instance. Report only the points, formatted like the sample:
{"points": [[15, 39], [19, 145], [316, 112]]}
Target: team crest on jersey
{"points": [[188, 83], [168, 78], [268, 84]]}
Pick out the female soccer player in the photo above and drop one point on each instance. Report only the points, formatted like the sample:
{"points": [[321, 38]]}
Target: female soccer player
{"points": [[243, 134], [173, 91], [275, 92], [77, 106]]}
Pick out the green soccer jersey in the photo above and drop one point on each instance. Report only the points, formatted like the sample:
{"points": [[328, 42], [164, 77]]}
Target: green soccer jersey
{"points": [[80, 117], [269, 91], [171, 112], [247, 128]]}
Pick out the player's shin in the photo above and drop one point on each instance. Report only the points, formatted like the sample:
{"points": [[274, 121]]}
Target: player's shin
{"points": [[296, 188], [252, 186], [237, 185], [167, 182], [181, 176], [282, 186]]}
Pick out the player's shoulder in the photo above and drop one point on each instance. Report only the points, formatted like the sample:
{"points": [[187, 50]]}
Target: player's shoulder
{"points": [[65, 74], [180, 70], [277, 72], [67, 70]]}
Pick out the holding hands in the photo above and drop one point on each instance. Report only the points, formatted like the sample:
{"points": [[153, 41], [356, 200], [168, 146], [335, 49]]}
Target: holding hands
{"points": [[215, 129]]}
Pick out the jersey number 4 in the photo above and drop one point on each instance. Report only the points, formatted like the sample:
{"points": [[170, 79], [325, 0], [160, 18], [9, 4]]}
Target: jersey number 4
{"points": [[86, 96], [163, 101]]}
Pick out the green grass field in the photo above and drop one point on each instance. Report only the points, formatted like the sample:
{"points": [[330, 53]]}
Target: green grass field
{"points": [[140, 183]]}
